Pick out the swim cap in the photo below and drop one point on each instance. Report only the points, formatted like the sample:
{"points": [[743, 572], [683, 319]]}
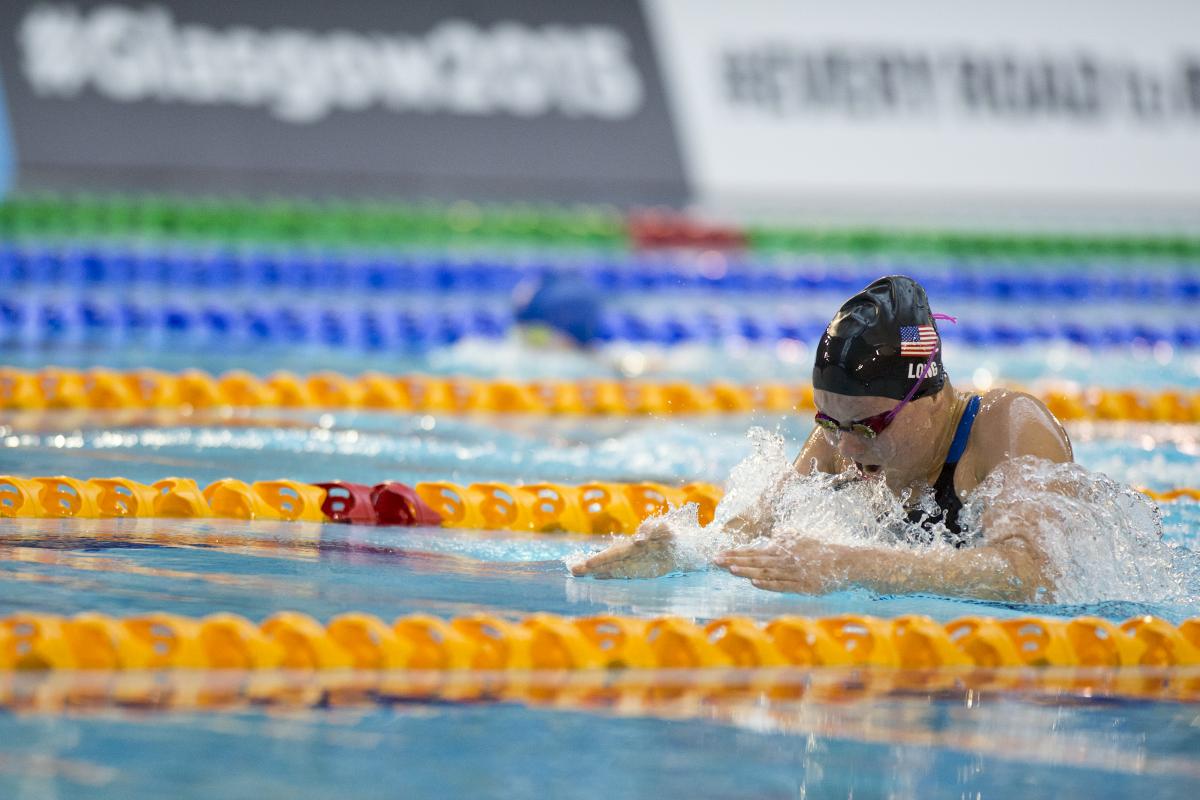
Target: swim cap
{"points": [[879, 342], [564, 302]]}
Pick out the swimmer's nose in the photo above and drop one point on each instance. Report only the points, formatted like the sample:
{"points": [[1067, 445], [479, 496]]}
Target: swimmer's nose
{"points": [[851, 446]]}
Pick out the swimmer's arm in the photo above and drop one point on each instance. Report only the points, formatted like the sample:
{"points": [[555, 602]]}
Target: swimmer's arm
{"points": [[806, 566], [749, 525], [1010, 566], [648, 554], [651, 551]]}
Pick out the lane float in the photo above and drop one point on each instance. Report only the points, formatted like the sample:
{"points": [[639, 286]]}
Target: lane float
{"points": [[599, 507], [289, 640], [373, 224], [79, 269], [595, 507]]}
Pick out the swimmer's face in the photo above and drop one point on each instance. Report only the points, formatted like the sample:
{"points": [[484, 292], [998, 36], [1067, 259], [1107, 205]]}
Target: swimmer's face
{"points": [[891, 449]]}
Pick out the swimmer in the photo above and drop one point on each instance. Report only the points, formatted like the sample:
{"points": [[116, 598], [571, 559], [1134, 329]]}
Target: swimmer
{"points": [[886, 411], [561, 311], [558, 323], [561, 317]]}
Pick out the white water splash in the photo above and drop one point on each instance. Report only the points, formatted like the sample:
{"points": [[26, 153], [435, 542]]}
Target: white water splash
{"points": [[834, 508], [1103, 540], [766, 487]]}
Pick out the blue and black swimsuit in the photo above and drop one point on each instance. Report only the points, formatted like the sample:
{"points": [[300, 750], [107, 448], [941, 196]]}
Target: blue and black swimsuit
{"points": [[943, 488]]}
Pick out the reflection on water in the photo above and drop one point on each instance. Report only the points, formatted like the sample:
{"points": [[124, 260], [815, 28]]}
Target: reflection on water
{"points": [[255, 568], [817, 735]]}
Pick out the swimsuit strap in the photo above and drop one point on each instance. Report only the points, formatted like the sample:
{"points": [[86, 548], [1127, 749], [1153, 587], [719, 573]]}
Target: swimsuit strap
{"points": [[943, 488], [944, 495], [963, 433]]}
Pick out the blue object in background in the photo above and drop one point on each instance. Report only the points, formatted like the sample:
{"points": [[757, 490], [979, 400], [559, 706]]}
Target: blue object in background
{"points": [[567, 303]]}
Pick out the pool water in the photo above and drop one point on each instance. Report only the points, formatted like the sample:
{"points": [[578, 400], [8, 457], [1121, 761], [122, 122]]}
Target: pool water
{"points": [[969, 744], [1023, 321], [1141, 364], [173, 284], [909, 748]]}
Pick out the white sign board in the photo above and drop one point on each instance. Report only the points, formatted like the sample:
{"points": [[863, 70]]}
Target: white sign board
{"points": [[1053, 100]]}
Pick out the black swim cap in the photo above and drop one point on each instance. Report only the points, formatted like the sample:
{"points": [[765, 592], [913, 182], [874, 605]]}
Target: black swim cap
{"points": [[879, 342]]}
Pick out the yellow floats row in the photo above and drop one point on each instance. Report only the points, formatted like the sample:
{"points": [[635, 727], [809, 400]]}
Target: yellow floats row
{"points": [[595, 508], [545, 642], [599, 507], [102, 389], [1171, 495]]}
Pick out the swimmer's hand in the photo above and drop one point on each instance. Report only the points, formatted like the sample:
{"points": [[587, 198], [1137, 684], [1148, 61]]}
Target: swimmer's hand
{"points": [[803, 566], [649, 554], [1007, 571]]}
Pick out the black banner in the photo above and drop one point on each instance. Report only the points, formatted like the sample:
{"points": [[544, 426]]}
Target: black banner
{"points": [[477, 98]]}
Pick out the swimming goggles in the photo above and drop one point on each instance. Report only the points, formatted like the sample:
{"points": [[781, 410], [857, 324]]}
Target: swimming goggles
{"points": [[867, 427], [870, 427]]}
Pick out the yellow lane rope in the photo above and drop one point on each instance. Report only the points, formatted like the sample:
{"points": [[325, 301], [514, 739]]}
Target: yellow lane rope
{"points": [[290, 640], [594, 508], [598, 507], [103, 389]]}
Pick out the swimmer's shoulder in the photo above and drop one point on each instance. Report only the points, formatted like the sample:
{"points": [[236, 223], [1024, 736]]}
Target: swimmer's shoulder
{"points": [[1011, 424]]}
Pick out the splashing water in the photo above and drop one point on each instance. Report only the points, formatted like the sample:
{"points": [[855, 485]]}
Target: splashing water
{"points": [[835, 508], [1102, 540]]}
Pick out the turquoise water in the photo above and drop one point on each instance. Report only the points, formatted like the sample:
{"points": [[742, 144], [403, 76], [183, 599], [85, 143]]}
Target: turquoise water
{"points": [[326, 569], [368, 447], [909, 748], [1145, 366], [946, 744]]}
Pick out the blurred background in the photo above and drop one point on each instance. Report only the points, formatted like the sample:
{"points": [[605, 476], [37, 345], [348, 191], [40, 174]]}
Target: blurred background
{"points": [[681, 192], [268, 185]]}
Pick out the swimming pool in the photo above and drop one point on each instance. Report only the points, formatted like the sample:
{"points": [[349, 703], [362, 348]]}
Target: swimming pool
{"points": [[976, 743], [838, 735]]}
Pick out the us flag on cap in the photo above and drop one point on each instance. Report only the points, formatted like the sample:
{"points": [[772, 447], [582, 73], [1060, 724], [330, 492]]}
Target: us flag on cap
{"points": [[918, 340]]}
